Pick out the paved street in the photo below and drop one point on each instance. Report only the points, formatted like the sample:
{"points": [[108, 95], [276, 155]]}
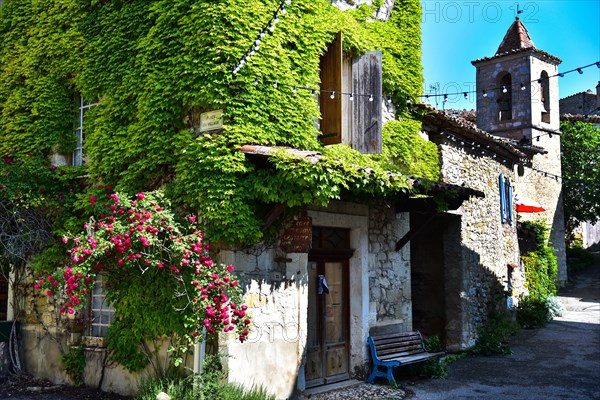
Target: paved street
{"points": [[561, 361]]}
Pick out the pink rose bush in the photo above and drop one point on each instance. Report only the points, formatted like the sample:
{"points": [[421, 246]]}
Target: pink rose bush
{"points": [[139, 241]]}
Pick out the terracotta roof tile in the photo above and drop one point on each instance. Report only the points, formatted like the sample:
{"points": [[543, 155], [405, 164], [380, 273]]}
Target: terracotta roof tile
{"points": [[516, 38]]}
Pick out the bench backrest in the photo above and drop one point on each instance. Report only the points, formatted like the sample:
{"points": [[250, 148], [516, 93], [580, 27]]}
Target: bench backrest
{"points": [[400, 344]]}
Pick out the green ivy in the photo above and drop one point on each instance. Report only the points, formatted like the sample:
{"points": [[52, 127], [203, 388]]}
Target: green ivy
{"points": [[152, 64], [541, 268]]}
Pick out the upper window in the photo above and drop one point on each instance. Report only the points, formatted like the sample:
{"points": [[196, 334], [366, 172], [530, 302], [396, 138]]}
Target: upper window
{"points": [[351, 99], [101, 313], [78, 155], [505, 97], [545, 96], [506, 201]]}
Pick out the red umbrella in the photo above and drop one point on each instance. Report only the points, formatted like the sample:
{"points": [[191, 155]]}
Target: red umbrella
{"points": [[527, 205]]}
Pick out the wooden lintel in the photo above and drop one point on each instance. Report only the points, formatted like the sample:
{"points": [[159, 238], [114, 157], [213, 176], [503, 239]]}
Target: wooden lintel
{"points": [[272, 215], [413, 232]]}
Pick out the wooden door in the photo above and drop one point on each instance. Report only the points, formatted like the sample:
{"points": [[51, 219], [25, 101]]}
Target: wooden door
{"points": [[328, 314]]}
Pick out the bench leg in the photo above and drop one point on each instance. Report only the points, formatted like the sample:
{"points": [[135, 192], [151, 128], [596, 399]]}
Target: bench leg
{"points": [[377, 373]]}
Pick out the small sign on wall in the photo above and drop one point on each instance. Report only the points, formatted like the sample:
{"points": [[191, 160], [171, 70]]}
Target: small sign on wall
{"points": [[211, 120]]}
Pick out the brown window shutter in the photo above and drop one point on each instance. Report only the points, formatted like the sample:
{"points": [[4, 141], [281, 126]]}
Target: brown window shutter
{"points": [[367, 115], [331, 79]]}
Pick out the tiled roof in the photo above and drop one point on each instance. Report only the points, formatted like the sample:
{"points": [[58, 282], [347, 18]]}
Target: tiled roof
{"points": [[578, 117], [457, 124], [422, 185], [517, 40]]}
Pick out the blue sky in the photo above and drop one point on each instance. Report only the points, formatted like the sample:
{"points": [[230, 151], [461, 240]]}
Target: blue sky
{"points": [[457, 32]]}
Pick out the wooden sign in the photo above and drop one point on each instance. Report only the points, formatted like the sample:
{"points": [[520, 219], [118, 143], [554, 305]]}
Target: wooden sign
{"points": [[211, 120], [298, 237]]}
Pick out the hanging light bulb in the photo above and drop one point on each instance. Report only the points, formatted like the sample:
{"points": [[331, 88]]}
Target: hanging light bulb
{"points": [[276, 19], [275, 85], [283, 11], [256, 47], [598, 64], [256, 81], [351, 98], [426, 97], [484, 93], [262, 34], [294, 89], [272, 27], [522, 86], [580, 71], [370, 97], [504, 89], [332, 95], [252, 51], [312, 92], [466, 96], [550, 135], [389, 99], [288, 2], [561, 75], [257, 41]]}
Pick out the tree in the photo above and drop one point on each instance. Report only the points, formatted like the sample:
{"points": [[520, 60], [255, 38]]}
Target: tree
{"points": [[580, 147]]}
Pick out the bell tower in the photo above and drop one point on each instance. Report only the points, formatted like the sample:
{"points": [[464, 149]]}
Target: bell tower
{"points": [[517, 94], [517, 98]]}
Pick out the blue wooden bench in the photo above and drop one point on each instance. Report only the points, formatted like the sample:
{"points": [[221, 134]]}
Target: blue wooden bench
{"points": [[394, 350]]}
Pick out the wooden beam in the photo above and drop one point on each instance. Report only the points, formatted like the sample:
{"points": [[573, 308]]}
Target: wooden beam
{"points": [[272, 215], [413, 232]]}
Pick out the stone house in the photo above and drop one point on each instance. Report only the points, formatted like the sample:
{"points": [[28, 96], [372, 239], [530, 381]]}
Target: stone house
{"points": [[359, 267], [508, 149], [336, 274]]}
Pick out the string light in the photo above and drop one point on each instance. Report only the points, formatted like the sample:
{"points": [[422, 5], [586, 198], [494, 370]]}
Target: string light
{"points": [[371, 97], [351, 97], [465, 95], [295, 89], [332, 96], [504, 88], [271, 27], [275, 84]]}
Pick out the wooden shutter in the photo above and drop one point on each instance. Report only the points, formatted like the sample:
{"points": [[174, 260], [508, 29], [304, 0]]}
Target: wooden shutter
{"points": [[502, 190], [367, 114], [331, 80], [509, 201]]}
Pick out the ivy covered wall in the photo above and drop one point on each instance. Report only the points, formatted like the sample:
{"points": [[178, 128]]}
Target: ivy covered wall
{"points": [[151, 65]]}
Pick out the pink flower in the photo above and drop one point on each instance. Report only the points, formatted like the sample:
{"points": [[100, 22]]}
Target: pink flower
{"points": [[140, 196], [65, 239], [230, 268], [93, 200]]}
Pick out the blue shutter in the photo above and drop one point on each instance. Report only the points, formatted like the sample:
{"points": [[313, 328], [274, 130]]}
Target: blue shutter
{"points": [[503, 215], [509, 206]]}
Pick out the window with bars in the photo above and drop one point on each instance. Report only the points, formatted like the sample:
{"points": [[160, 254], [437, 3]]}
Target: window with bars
{"points": [[83, 107], [101, 313]]}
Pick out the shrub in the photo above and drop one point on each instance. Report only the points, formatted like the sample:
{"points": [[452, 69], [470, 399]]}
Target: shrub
{"points": [[533, 313], [495, 334], [555, 307]]}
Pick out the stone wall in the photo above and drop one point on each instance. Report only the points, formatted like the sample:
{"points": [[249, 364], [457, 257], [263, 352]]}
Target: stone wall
{"points": [[379, 297], [487, 245], [389, 270]]}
